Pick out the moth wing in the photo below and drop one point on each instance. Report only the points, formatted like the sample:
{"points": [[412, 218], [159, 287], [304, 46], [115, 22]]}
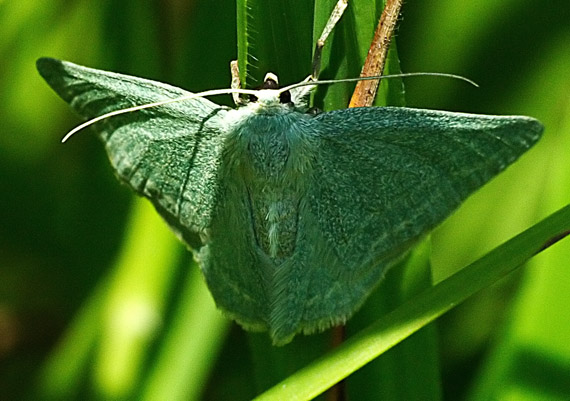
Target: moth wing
{"points": [[386, 176], [167, 153]]}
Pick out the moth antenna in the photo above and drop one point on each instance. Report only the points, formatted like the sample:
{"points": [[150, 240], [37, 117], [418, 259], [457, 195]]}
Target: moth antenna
{"points": [[211, 92], [403, 75]]}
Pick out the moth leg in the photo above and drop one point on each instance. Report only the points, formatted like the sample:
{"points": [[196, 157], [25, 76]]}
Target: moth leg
{"points": [[236, 83], [333, 20], [301, 92]]}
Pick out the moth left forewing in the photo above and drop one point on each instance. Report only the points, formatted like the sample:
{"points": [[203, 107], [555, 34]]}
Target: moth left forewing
{"points": [[386, 176]]}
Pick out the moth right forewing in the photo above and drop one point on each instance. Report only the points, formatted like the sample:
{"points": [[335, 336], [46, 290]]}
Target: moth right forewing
{"points": [[168, 153]]}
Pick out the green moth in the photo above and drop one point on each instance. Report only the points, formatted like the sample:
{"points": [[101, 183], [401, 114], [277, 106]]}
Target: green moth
{"points": [[293, 216]]}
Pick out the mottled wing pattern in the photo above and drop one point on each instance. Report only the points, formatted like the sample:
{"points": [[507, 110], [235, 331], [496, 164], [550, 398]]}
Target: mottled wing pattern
{"points": [[168, 153], [384, 177]]}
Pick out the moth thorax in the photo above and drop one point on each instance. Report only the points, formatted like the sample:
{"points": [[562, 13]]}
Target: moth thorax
{"points": [[268, 155]]}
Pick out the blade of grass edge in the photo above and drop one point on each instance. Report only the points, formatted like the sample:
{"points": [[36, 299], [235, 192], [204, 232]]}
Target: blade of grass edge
{"points": [[420, 311], [274, 36]]}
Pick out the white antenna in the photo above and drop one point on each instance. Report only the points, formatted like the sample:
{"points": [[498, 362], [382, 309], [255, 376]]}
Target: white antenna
{"points": [[213, 92], [402, 75]]}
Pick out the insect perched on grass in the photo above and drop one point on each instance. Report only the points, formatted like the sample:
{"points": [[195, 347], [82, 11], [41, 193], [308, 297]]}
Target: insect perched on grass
{"points": [[293, 216]]}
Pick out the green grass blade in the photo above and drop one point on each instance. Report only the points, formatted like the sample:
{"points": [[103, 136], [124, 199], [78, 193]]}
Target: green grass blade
{"points": [[135, 302], [189, 348], [530, 359], [420, 311], [410, 370], [121, 318], [274, 36], [62, 374], [344, 55]]}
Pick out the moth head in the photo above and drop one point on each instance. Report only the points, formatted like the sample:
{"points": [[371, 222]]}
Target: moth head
{"points": [[268, 94]]}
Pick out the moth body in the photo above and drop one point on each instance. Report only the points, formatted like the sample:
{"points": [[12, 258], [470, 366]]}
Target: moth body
{"points": [[269, 147]]}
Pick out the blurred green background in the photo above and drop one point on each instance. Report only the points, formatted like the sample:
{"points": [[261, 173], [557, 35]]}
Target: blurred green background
{"points": [[72, 239]]}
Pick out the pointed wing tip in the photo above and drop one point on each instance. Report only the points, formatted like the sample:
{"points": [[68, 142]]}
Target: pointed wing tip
{"points": [[49, 68], [535, 128], [528, 130], [45, 64]]}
